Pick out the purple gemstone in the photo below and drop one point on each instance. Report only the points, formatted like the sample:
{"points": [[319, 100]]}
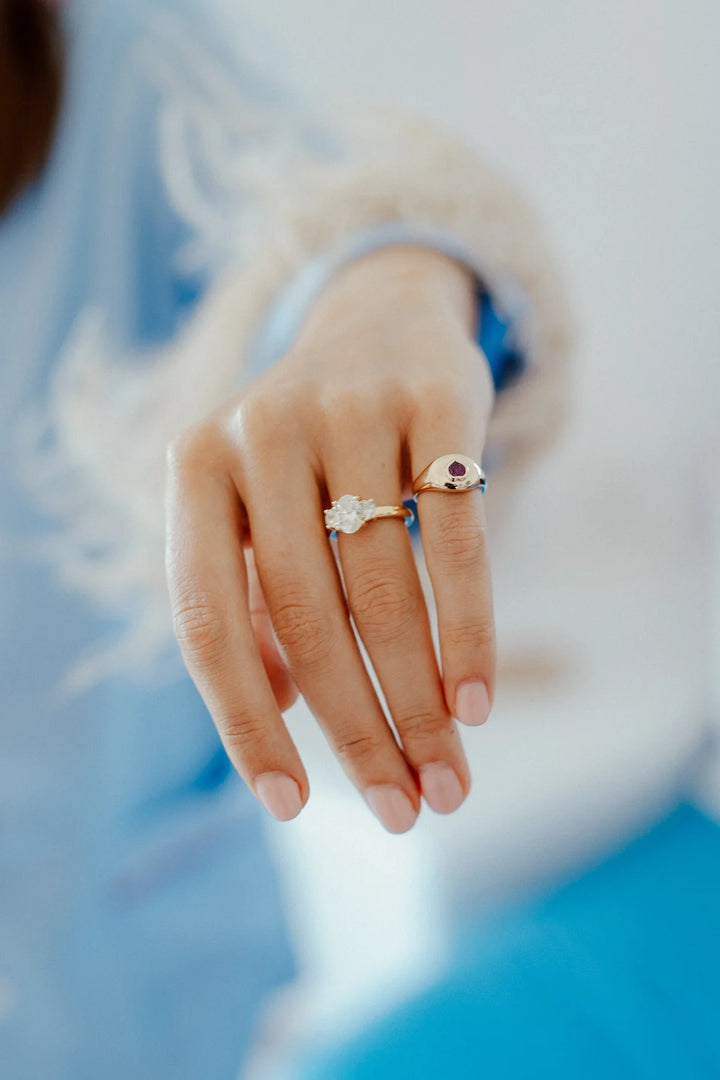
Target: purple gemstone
{"points": [[456, 468]]}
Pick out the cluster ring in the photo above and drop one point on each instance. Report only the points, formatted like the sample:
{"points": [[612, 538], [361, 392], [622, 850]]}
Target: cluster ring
{"points": [[349, 513]]}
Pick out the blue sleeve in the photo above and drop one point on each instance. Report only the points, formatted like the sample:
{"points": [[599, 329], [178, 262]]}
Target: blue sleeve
{"points": [[494, 336]]}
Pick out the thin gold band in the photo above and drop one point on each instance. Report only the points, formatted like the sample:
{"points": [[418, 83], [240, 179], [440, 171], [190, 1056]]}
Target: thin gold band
{"points": [[391, 511]]}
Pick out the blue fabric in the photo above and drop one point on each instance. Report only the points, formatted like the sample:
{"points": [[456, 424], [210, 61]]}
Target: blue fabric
{"points": [[615, 975], [141, 925], [494, 337]]}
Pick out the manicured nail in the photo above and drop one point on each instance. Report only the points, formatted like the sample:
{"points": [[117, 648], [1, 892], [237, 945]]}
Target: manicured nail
{"points": [[279, 794], [441, 787], [391, 806], [472, 703]]}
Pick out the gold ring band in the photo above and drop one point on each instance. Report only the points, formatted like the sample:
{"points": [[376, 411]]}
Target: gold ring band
{"points": [[349, 513], [451, 472]]}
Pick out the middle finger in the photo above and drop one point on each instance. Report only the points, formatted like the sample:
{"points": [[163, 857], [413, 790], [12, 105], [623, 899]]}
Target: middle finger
{"points": [[388, 607], [304, 596]]}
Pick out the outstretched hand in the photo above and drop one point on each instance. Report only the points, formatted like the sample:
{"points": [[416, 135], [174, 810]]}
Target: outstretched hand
{"points": [[384, 378]]}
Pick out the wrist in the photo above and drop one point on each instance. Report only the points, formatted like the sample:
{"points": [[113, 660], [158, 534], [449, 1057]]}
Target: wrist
{"points": [[395, 282]]}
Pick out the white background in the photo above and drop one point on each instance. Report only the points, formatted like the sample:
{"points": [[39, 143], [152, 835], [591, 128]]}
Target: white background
{"points": [[608, 114]]}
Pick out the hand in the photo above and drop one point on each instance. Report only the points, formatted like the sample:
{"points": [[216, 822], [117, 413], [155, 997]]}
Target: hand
{"points": [[383, 378]]}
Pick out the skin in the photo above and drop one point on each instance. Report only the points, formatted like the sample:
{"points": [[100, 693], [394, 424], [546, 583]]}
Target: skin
{"points": [[384, 377]]}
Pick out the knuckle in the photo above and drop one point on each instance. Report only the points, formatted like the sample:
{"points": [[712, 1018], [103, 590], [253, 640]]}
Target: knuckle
{"points": [[451, 394], [437, 394], [256, 421], [435, 397], [381, 602], [346, 402], [304, 631], [358, 407], [192, 448], [474, 636], [422, 724], [267, 429], [241, 728], [200, 629], [360, 749], [459, 540], [262, 414], [340, 421]]}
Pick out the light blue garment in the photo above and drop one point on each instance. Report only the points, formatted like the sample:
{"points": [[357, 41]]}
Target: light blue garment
{"points": [[140, 918]]}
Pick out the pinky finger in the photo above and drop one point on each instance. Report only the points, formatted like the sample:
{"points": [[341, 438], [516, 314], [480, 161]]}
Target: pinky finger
{"points": [[208, 586], [283, 685]]}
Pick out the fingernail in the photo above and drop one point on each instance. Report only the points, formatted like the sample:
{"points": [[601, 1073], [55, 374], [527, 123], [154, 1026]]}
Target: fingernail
{"points": [[391, 806], [441, 787], [472, 702], [279, 794]]}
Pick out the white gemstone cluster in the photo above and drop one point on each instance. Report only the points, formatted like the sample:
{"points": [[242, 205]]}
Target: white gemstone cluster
{"points": [[349, 513]]}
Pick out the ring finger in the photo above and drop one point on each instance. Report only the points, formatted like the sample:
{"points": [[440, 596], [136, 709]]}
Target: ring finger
{"points": [[454, 538]]}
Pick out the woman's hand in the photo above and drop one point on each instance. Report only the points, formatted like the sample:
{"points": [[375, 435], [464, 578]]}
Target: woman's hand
{"points": [[384, 378]]}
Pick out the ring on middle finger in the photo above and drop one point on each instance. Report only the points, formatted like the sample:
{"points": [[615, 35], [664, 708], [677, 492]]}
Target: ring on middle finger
{"points": [[349, 513]]}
